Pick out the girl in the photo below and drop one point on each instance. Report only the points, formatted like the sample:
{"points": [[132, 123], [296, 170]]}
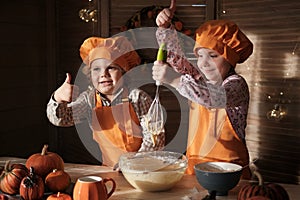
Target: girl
{"points": [[219, 96]]}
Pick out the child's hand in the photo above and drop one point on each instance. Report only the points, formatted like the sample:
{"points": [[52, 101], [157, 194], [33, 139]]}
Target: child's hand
{"points": [[163, 73], [164, 18], [65, 92]]}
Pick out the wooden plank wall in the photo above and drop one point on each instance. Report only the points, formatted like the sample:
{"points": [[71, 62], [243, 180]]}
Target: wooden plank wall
{"points": [[23, 82], [71, 32], [273, 76]]}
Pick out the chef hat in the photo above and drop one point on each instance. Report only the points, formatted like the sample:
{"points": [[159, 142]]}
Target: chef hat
{"points": [[118, 49], [226, 38]]}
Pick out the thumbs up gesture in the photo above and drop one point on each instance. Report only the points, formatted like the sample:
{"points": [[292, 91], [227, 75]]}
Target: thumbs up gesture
{"points": [[164, 18], [66, 91]]}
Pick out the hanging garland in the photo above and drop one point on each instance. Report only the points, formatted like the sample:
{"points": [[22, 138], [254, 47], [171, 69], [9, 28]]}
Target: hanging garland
{"points": [[146, 18]]}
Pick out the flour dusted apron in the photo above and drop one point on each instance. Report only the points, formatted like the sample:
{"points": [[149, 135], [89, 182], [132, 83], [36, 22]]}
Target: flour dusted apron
{"points": [[212, 138], [116, 129]]}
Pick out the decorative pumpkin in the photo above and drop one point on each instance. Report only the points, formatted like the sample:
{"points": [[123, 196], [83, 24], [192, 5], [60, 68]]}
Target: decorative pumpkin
{"points": [[58, 180], [32, 186], [269, 190], [3, 197], [44, 162], [59, 196], [11, 177]]}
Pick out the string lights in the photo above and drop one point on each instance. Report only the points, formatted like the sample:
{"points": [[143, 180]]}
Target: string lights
{"points": [[279, 110]]}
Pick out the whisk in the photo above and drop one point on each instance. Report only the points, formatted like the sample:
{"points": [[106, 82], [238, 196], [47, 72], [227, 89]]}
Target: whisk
{"points": [[155, 115]]}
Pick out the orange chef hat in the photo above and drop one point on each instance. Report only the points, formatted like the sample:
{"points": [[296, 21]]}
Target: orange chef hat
{"points": [[118, 49], [226, 38]]}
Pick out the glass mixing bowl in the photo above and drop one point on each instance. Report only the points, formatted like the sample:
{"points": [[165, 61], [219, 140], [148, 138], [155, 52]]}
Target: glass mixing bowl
{"points": [[154, 170]]}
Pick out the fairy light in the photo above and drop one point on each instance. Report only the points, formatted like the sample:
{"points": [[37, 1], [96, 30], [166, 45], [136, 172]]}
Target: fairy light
{"points": [[223, 10], [279, 110], [88, 14]]}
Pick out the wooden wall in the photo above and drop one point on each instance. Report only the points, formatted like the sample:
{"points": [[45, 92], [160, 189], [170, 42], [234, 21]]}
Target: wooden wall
{"points": [[71, 31], [24, 81], [273, 75]]}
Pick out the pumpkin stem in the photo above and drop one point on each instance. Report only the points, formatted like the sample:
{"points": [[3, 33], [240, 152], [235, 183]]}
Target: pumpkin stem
{"points": [[44, 150], [7, 166], [259, 176]]}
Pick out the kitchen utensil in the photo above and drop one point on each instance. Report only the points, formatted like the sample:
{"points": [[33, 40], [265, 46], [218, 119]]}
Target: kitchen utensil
{"points": [[155, 115]]}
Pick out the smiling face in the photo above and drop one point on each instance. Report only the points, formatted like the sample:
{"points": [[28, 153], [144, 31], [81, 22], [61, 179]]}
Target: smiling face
{"points": [[212, 65], [106, 76]]}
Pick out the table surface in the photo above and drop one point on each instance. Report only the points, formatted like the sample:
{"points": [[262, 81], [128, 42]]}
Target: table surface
{"points": [[187, 189]]}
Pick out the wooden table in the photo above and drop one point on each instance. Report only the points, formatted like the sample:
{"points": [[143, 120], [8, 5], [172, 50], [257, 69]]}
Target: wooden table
{"points": [[187, 189]]}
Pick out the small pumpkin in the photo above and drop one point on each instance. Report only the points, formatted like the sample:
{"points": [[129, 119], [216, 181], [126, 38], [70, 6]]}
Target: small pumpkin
{"points": [[11, 177], [32, 186], [58, 180], [269, 190], [44, 162], [59, 196]]}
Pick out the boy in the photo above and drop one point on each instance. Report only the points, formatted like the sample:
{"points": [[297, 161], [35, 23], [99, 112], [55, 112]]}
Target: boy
{"points": [[115, 112]]}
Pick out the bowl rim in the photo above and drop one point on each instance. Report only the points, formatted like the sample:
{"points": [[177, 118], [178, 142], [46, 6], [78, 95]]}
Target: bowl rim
{"points": [[239, 167], [182, 158]]}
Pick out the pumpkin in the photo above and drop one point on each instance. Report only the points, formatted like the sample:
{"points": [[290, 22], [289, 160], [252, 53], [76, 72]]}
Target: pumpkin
{"points": [[44, 162], [59, 196], [32, 186], [269, 190], [11, 177], [58, 180]]}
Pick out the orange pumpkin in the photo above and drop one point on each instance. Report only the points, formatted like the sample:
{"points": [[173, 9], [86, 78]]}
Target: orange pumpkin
{"points": [[11, 177], [58, 180], [44, 162], [269, 190], [32, 186], [59, 196]]}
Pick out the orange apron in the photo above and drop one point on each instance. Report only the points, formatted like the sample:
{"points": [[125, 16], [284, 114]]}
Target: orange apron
{"points": [[212, 138], [116, 129]]}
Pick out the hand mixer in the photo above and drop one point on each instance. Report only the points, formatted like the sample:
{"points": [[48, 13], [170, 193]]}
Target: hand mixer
{"points": [[155, 115]]}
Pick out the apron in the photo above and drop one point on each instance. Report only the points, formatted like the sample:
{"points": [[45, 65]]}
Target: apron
{"points": [[212, 138], [116, 129]]}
